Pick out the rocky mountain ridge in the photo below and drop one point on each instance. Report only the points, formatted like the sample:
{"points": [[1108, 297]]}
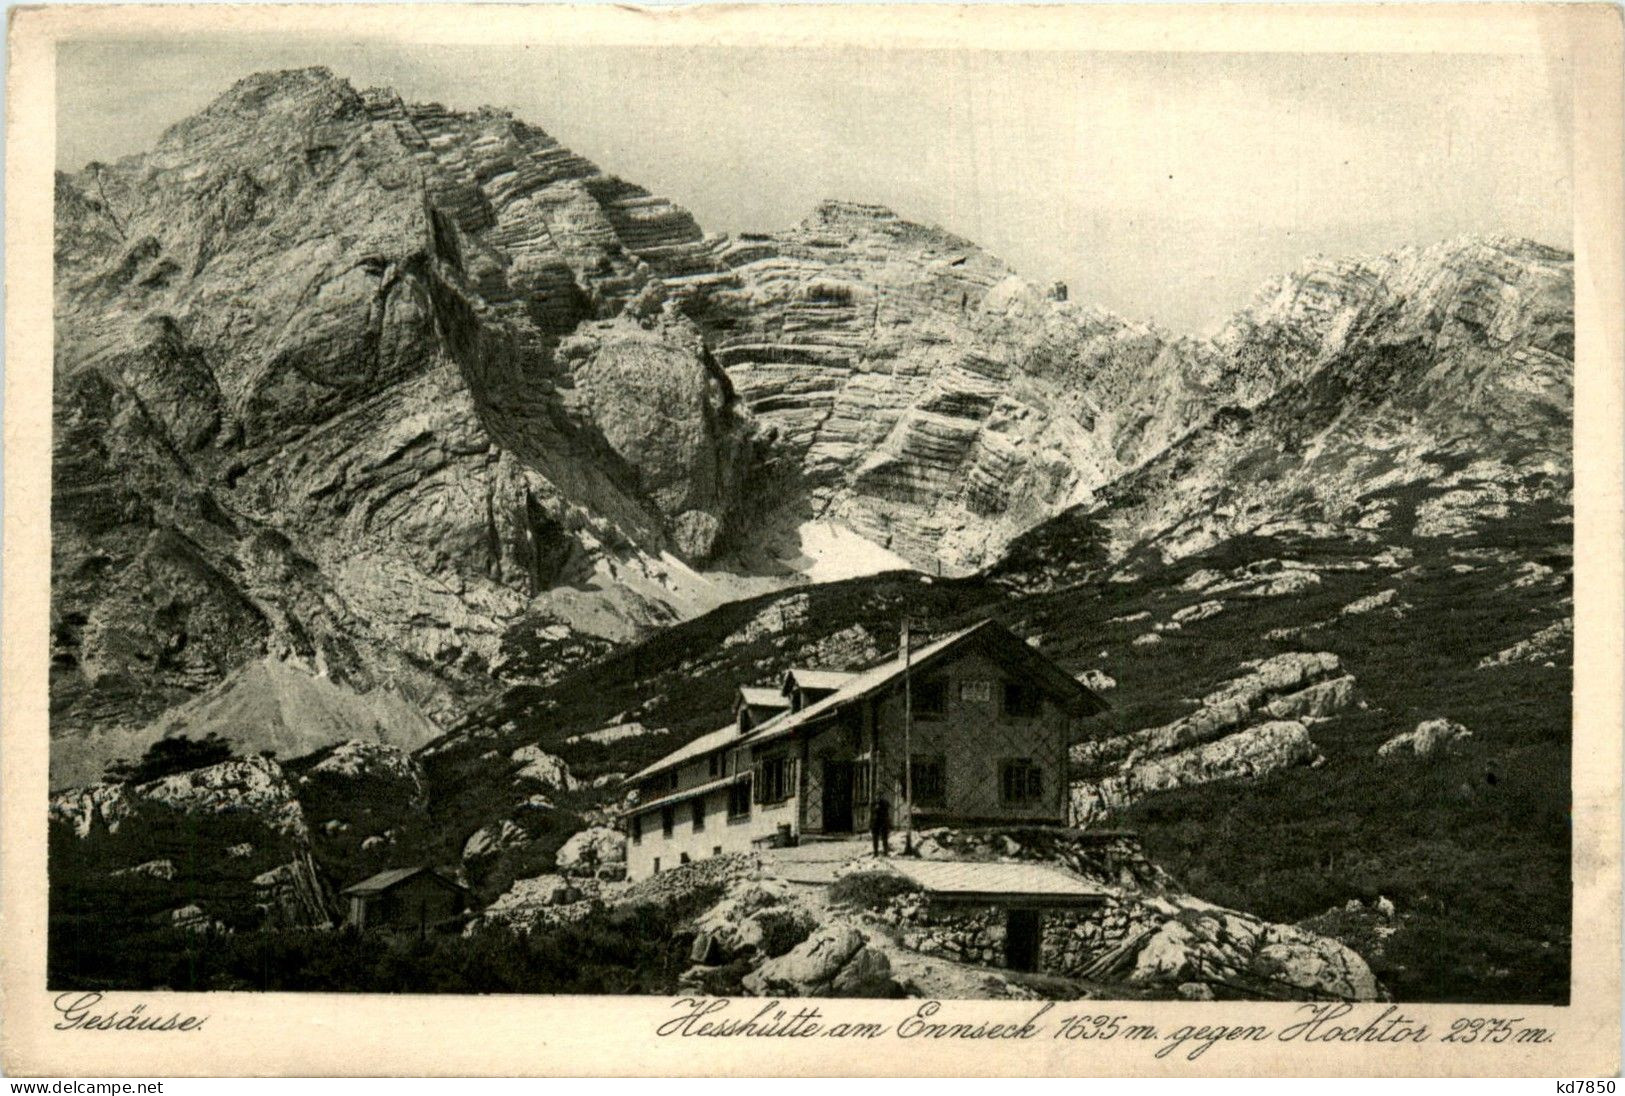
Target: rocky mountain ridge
{"points": [[353, 394]]}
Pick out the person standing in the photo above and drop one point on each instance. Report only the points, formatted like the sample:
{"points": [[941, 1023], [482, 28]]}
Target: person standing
{"points": [[880, 827]]}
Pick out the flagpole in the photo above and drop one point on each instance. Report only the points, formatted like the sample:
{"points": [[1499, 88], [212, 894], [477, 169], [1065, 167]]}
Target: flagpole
{"points": [[908, 751]]}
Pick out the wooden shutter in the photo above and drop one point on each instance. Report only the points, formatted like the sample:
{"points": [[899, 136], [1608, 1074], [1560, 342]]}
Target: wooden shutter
{"points": [[756, 784]]}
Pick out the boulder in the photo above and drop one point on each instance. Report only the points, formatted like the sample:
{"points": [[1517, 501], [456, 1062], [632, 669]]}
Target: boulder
{"points": [[757, 917], [192, 919], [1195, 991], [544, 768], [809, 966], [1318, 701], [591, 849], [1428, 738], [1204, 943], [1278, 674], [1200, 611], [1370, 602], [254, 786], [1325, 967], [1545, 646], [867, 974], [490, 840], [1097, 680]]}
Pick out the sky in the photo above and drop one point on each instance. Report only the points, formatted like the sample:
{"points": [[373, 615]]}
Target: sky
{"points": [[1163, 186]]}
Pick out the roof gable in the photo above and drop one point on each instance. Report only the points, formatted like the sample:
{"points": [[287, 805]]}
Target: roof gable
{"points": [[760, 696], [394, 877]]}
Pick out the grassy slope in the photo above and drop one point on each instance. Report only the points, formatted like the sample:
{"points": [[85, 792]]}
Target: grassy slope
{"points": [[1473, 848]]}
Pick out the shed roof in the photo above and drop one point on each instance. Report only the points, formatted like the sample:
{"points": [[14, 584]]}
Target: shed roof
{"points": [[974, 881], [393, 877]]}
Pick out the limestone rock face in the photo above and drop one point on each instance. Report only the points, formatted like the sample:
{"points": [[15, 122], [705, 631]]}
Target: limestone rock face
{"points": [[102, 808], [421, 405], [1355, 376], [1250, 726], [311, 401], [1286, 686], [256, 787]]}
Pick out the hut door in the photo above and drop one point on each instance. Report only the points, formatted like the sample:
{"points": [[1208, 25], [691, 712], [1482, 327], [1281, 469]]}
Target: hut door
{"points": [[837, 796], [1022, 931]]}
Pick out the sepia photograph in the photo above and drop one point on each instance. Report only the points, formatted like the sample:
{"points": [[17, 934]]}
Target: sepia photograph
{"points": [[1085, 564], [770, 521]]}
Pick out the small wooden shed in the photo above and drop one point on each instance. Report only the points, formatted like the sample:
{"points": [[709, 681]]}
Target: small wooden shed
{"points": [[404, 899]]}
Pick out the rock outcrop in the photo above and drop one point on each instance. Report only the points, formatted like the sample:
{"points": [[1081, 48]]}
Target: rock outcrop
{"points": [[586, 852], [1208, 945], [1250, 726], [1429, 737]]}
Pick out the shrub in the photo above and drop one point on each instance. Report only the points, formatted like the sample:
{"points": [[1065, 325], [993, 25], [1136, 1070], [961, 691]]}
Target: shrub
{"points": [[870, 890], [169, 756]]}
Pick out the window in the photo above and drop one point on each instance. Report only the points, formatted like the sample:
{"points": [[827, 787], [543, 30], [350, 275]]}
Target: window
{"points": [[862, 776], [928, 779], [715, 763], [929, 698], [698, 807], [657, 866], [1022, 701], [976, 692], [682, 858], [716, 850], [739, 799], [671, 781], [637, 829], [1021, 781], [777, 779], [668, 821]]}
